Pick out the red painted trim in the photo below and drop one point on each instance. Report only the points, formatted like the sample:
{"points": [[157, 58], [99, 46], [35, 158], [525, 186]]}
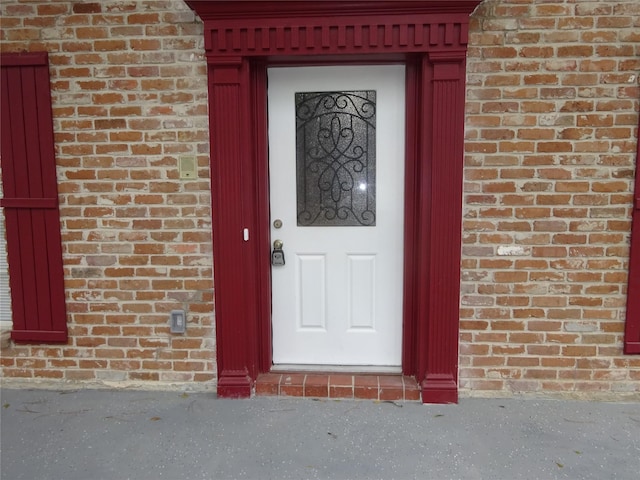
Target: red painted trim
{"points": [[38, 336], [29, 202], [25, 59], [411, 203], [250, 9], [34, 251], [228, 81], [444, 84], [361, 34], [263, 242], [632, 328], [430, 37]]}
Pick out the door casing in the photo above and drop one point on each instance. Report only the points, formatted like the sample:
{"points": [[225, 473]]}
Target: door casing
{"points": [[430, 37]]}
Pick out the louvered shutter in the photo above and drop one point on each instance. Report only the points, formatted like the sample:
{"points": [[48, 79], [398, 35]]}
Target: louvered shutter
{"points": [[30, 200], [632, 330]]}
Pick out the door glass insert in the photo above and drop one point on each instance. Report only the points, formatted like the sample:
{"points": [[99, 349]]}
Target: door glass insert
{"points": [[336, 158]]}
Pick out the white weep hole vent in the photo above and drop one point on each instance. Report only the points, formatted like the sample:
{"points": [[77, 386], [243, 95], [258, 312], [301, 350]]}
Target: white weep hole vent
{"points": [[178, 321]]}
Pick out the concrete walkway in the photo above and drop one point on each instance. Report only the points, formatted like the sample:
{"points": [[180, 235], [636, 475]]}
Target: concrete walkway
{"points": [[103, 434]]}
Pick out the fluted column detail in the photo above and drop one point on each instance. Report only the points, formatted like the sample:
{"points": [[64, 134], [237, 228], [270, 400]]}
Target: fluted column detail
{"points": [[228, 86], [442, 146]]}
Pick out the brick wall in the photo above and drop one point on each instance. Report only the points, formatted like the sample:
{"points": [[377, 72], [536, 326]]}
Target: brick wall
{"points": [[551, 132], [552, 102], [129, 98]]}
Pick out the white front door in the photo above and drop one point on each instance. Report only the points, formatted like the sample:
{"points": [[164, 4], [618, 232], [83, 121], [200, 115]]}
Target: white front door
{"points": [[336, 166]]}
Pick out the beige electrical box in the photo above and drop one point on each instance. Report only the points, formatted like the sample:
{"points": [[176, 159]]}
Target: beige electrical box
{"points": [[188, 166]]}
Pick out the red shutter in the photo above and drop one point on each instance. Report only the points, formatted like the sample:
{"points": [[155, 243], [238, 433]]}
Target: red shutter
{"points": [[31, 200], [632, 331]]}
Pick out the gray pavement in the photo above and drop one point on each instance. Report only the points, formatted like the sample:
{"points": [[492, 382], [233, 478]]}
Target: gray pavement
{"points": [[106, 434]]}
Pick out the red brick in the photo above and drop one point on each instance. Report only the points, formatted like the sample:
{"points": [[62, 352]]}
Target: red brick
{"points": [[316, 386], [91, 33], [340, 392], [536, 52], [45, 9], [268, 384]]}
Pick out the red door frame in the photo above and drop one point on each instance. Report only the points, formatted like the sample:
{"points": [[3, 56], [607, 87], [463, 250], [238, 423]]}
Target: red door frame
{"points": [[241, 39]]}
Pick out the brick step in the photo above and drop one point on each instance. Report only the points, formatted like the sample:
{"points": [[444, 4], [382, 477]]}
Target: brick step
{"points": [[343, 386]]}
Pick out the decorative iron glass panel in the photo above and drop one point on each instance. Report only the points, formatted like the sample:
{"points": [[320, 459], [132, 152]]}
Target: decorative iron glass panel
{"points": [[336, 158]]}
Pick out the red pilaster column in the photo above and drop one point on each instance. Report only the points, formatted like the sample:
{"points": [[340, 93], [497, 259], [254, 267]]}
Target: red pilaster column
{"points": [[442, 148], [230, 132]]}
